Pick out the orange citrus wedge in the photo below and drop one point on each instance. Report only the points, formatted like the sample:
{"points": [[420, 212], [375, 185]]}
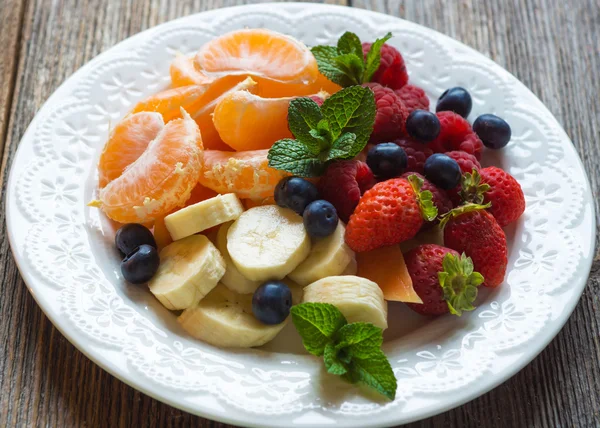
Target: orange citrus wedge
{"points": [[160, 180], [126, 143], [246, 174], [170, 102], [183, 72]]}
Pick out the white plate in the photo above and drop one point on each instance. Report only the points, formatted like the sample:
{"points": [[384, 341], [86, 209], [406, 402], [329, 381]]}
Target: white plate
{"points": [[65, 254]]}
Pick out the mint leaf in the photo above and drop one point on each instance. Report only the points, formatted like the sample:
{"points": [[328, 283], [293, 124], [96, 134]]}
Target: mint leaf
{"points": [[325, 56], [317, 323], [332, 363], [295, 157], [374, 371], [343, 147], [350, 65], [360, 339], [374, 57], [351, 110], [350, 43], [304, 115]]}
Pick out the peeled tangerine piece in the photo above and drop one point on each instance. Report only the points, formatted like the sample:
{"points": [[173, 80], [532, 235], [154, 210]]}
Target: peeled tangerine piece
{"points": [[359, 299], [385, 266], [203, 215], [329, 256], [267, 242], [189, 269]]}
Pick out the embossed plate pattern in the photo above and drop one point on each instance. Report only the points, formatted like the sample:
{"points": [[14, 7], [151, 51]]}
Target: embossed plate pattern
{"points": [[64, 250]]}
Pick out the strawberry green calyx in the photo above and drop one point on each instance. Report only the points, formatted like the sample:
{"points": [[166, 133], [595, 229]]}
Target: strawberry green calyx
{"points": [[424, 198], [463, 209], [472, 189], [459, 282]]}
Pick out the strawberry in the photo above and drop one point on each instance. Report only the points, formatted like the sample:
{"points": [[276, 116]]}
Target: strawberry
{"points": [[472, 230], [439, 197], [390, 212], [443, 279]]}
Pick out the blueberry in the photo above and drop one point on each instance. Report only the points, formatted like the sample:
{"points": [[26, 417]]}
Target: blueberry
{"points": [[387, 160], [271, 302], [320, 219], [493, 131], [457, 100], [442, 170], [295, 193], [140, 265], [423, 125], [132, 235]]}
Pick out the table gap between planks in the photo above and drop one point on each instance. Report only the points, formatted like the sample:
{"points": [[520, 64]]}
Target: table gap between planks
{"points": [[550, 45]]}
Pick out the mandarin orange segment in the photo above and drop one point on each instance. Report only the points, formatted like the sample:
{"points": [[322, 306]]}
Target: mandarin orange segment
{"points": [[161, 234], [160, 180], [183, 72], [268, 88], [258, 52], [126, 143], [386, 267], [246, 174], [251, 203], [169, 102]]}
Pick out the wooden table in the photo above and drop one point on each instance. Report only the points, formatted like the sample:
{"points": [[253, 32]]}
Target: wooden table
{"points": [[550, 45]]}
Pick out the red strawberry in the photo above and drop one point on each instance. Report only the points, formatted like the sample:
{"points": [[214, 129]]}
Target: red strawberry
{"points": [[456, 134], [391, 212], [505, 195], [470, 229], [392, 70], [343, 184], [390, 119], [439, 197], [417, 153], [443, 279]]}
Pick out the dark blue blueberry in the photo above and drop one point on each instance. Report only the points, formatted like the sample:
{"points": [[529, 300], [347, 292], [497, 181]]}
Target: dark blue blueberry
{"points": [[132, 235], [140, 265], [271, 302], [442, 170], [320, 219], [493, 131], [457, 100], [423, 125], [387, 160], [295, 193]]}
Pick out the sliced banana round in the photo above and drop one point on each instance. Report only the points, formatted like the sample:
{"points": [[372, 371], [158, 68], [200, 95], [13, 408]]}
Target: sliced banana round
{"points": [[224, 318], [267, 242], [203, 215], [328, 257], [189, 269], [357, 298], [233, 279]]}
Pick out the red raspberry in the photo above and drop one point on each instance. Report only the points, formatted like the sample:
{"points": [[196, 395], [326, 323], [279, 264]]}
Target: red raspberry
{"points": [[465, 161], [344, 183], [413, 97], [505, 194], [392, 70], [391, 114], [318, 99], [440, 198], [456, 134], [417, 153]]}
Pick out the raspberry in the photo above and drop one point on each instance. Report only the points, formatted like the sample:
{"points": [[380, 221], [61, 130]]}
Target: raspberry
{"points": [[456, 134], [392, 70], [440, 198], [344, 183], [417, 153], [318, 99], [413, 97], [390, 119], [465, 161]]}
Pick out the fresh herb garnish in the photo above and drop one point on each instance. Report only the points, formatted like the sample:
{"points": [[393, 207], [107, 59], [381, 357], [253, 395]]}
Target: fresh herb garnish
{"points": [[352, 351], [339, 129], [345, 64]]}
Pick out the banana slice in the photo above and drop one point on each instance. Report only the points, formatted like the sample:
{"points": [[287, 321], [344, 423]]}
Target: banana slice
{"points": [[357, 298], [328, 257], [267, 242], [224, 318], [189, 269], [352, 267], [233, 279], [203, 215]]}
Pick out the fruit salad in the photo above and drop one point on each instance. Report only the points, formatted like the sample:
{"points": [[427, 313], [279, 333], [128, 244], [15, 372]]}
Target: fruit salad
{"points": [[273, 182]]}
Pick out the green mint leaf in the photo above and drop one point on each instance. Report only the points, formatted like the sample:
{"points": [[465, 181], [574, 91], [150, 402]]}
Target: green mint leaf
{"points": [[332, 363], [304, 116], [459, 282], [374, 57], [325, 56], [350, 65], [375, 372], [343, 147], [293, 156], [317, 323], [359, 339], [350, 43], [351, 110]]}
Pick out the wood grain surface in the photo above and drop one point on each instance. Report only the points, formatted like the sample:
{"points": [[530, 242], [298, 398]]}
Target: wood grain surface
{"points": [[550, 45]]}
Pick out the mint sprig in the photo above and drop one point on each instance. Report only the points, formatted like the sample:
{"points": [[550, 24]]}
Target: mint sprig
{"points": [[352, 351], [339, 129], [345, 63]]}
